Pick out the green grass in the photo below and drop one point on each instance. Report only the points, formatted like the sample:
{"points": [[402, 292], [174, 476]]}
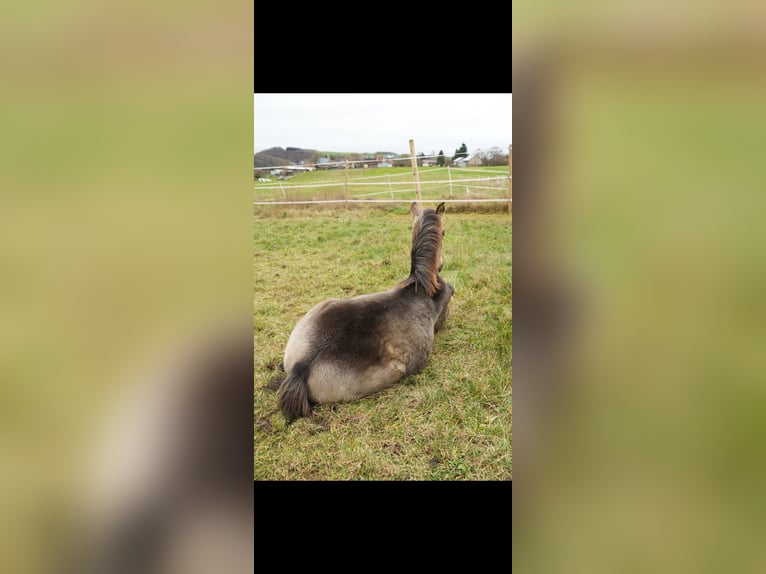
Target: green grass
{"points": [[290, 188], [450, 422]]}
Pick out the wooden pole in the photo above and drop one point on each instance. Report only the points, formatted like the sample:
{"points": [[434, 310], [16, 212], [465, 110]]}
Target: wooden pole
{"points": [[345, 193], [388, 176], [510, 179], [449, 175], [415, 171]]}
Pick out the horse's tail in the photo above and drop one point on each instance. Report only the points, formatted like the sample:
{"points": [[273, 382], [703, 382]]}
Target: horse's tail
{"points": [[294, 392]]}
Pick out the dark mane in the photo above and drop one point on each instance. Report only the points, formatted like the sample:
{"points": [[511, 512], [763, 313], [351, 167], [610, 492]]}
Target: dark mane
{"points": [[426, 251]]}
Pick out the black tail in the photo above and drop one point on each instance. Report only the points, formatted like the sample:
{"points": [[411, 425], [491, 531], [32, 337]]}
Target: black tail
{"points": [[294, 393]]}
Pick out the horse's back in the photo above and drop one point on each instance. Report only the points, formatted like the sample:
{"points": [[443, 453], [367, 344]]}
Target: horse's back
{"points": [[361, 345]]}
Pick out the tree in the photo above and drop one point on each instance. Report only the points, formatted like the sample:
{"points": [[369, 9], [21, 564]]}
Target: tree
{"points": [[440, 161], [494, 156], [419, 158], [462, 151]]}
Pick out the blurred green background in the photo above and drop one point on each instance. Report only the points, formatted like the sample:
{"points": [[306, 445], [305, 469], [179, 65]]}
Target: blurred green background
{"points": [[647, 453], [126, 222]]}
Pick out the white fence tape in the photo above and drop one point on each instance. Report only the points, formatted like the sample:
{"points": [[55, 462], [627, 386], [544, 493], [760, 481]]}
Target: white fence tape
{"points": [[308, 202]]}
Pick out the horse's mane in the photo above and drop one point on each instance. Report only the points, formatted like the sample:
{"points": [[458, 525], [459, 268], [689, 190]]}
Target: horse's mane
{"points": [[426, 250]]}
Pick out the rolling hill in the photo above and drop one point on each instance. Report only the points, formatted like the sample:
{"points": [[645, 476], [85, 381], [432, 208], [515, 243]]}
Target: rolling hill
{"points": [[282, 156], [285, 156]]}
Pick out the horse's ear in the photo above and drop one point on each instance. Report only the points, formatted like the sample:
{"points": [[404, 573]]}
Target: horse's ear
{"points": [[440, 208], [414, 210]]}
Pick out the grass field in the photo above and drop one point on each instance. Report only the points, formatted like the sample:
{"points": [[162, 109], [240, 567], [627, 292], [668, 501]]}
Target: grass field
{"points": [[450, 422], [388, 183]]}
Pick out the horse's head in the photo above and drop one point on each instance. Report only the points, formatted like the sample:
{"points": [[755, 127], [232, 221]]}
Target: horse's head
{"points": [[426, 255]]}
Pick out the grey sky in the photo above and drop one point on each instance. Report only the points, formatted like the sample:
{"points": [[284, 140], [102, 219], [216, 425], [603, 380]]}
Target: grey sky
{"points": [[382, 122]]}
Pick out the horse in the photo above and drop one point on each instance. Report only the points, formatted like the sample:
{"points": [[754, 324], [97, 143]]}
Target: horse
{"points": [[342, 350]]}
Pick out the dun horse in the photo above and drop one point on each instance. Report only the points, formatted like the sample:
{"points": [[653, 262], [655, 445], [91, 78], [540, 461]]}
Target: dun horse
{"points": [[346, 349]]}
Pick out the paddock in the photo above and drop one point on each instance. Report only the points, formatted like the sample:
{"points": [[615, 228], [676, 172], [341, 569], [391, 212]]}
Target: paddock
{"points": [[450, 422]]}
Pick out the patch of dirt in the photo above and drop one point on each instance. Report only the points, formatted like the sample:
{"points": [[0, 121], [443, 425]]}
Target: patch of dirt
{"points": [[265, 426], [434, 462], [319, 423], [392, 448]]}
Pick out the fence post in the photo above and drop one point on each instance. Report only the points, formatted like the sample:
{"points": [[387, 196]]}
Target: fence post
{"points": [[510, 179], [449, 175], [390, 189], [415, 170], [346, 184], [283, 190]]}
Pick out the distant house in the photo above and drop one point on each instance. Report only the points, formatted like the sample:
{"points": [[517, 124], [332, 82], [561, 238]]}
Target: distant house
{"points": [[472, 160], [429, 162], [385, 163]]}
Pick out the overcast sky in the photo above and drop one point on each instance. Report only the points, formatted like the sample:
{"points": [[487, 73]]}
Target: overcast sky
{"points": [[383, 122]]}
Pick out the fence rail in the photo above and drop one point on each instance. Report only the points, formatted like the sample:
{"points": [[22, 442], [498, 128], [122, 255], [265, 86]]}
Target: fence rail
{"points": [[503, 178], [312, 201]]}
